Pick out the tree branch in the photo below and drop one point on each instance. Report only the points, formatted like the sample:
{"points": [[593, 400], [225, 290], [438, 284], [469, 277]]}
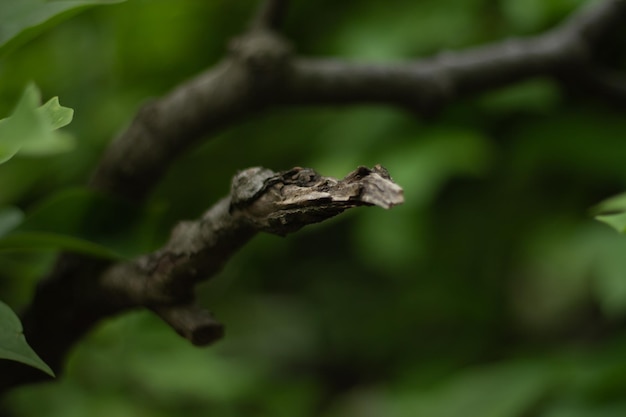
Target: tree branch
{"points": [[270, 15], [164, 281], [260, 201], [261, 72]]}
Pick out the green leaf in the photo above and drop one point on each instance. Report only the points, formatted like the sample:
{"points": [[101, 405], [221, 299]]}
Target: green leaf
{"points": [[616, 221], [511, 389], [35, 241], [612, 212], [10, 217], [13, 345], [23, 19], [30, 130], [57, 115], [85, 221], [91, 216]]}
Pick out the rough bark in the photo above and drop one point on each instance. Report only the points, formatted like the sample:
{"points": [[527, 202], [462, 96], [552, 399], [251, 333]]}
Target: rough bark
{"points": [[81, 292]]}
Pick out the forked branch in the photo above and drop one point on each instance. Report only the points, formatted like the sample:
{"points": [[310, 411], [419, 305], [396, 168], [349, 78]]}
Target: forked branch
{"points": [[163, 281], [260, 201], [260, 72]]}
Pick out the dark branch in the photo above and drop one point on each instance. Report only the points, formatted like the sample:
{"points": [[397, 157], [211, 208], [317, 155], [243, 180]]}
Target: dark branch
{"points": [[164, 281], [428, 84], [164, 128], [261, 72], [595, 21], [191, 322], [260, 201], [270, 15]]}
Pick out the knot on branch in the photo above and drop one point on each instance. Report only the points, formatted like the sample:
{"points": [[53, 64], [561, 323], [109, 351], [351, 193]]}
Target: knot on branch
{"points": [[263, 52]]}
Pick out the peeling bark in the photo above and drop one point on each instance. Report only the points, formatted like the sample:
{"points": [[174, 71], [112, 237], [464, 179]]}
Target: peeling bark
{"points": [[164, 281]]}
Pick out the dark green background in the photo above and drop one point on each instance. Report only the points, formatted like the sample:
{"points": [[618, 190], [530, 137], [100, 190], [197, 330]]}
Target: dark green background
{"points": [[491, 292]]}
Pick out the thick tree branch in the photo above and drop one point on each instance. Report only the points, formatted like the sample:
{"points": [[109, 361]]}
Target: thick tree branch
{"points": [[261, 72], [164, 281], [260, 201], [595, 21]]}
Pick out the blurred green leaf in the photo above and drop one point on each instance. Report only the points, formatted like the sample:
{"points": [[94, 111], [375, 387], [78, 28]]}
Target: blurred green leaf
{"points": [[507, 390], [21, 19], [10, 217], [616, 221], [539, 95], [84, 215], [422, 167], [30, 130], [567, 141], [532, 15], [612, 212], [35, 241], [13, 345], [57, 115], [85, 221]]}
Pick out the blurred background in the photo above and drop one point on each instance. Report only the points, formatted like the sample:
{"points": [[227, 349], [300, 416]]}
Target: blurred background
{"points": [[492, 292]]}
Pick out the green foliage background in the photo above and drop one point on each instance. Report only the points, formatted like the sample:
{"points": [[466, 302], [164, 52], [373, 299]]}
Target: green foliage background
{"points": [[492, 292]]}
